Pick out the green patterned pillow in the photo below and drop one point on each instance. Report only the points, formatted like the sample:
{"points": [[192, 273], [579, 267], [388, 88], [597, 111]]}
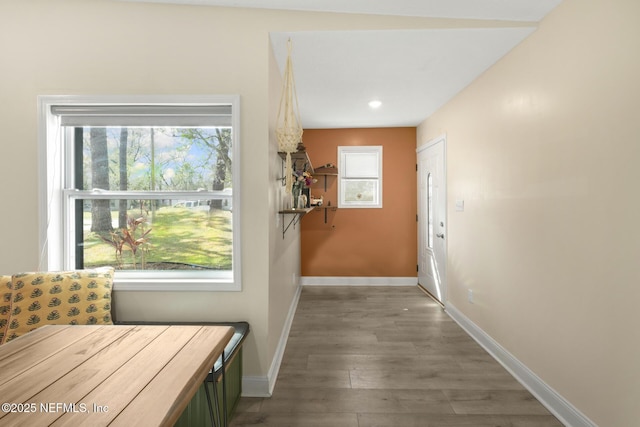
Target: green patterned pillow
{"points": [[5, 304], [80, 297]]}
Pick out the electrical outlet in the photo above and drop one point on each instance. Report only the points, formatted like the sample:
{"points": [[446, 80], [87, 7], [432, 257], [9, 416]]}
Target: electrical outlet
{"points": [[470, 296]]}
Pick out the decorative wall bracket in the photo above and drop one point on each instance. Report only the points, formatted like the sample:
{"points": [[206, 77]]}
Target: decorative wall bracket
{"points": [[325, 209], [297, 215]]}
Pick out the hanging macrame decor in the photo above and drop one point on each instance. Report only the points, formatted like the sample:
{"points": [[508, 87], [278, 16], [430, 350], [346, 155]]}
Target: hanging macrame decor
{"points": [[288, 127]]}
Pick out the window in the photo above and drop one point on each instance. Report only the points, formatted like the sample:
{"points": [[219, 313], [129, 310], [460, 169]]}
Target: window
{"points": [[360, 178], [148, 185]]}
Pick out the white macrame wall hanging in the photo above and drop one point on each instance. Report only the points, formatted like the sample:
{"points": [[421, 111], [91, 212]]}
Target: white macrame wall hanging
{"points": [[288, 127]]}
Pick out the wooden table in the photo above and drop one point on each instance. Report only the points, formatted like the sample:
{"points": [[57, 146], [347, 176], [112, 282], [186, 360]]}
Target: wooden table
{"points": [[105, 375]]}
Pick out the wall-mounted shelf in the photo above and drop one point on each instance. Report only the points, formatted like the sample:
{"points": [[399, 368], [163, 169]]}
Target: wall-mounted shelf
{"points": [[325, 178], [326, 171], [300, 161], [295, 158], [298, 155], [297, 216]]}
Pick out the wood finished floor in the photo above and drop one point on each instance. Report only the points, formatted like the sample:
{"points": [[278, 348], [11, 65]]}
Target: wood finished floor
{"points": [[387, 357]]}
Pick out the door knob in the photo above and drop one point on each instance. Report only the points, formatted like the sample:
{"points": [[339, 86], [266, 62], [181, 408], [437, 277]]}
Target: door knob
{"points": [[440, 235]]}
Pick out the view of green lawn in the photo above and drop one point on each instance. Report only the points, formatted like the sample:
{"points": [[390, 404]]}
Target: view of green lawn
{"points": [[180, 238]]}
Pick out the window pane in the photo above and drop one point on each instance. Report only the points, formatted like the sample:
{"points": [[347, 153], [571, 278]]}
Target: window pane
{"points": [[360, 191], [155, 234], [151, 173], [153, 158]]}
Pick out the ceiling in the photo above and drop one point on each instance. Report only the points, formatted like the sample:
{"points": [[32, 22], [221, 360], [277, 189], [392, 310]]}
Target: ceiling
{"points": [[412, 72]]}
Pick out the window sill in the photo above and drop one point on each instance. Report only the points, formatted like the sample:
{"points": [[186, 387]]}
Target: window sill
{"points": [[184, 284]]}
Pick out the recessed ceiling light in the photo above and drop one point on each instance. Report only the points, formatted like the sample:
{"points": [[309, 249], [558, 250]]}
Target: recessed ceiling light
{"points": [[375, 103]]}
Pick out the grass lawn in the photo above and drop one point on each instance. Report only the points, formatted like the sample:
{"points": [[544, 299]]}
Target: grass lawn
{"points": [[184, 236]]}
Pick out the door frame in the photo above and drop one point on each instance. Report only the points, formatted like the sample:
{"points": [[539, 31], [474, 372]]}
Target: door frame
{"points": [[441, 138]]}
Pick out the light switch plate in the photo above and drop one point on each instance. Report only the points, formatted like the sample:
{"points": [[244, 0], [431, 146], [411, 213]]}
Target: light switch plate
{"points": [[459, 205]]}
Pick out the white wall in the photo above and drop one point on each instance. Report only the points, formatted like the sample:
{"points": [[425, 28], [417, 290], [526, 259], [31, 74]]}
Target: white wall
{"points": [[284, 249], [544, 150], [105, 47]]}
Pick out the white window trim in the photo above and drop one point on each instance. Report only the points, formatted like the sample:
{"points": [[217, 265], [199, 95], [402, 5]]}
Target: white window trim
{"points": [[369, 149], [51, 200]]}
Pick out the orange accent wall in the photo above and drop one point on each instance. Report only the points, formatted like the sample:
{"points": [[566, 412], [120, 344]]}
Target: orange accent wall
{"points": [[363, 242]]}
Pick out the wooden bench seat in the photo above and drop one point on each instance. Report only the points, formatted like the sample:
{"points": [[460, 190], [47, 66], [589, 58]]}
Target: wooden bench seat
{"points": [[196, 413]]}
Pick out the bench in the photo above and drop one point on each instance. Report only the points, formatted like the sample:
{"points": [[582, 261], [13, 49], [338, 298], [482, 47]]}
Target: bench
{"points": [[226, 389]]}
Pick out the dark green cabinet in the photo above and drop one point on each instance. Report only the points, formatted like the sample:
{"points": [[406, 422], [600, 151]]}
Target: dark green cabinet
{"points": [[196, 414]]}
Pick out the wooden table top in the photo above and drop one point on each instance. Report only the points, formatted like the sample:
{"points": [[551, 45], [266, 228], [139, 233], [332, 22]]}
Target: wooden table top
{"points": [[105, 375]]}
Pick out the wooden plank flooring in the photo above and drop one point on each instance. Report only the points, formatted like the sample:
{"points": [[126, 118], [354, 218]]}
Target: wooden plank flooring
{"points": [[387, 357]]}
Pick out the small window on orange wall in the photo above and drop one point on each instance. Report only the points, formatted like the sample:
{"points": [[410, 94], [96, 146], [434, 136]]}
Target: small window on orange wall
{"points": [[360, 177]]}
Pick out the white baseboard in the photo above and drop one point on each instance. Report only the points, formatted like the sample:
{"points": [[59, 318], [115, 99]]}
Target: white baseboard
{"points": [[554, 402], [253, 386], [282, 343], [358, 281]]}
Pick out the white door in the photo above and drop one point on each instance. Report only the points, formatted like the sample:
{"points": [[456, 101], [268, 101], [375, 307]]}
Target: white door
{"points": [[432, 229]]}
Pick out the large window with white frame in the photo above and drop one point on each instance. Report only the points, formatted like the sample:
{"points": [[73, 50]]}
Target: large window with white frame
{"points": [[148, 185], [360, 177]]}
